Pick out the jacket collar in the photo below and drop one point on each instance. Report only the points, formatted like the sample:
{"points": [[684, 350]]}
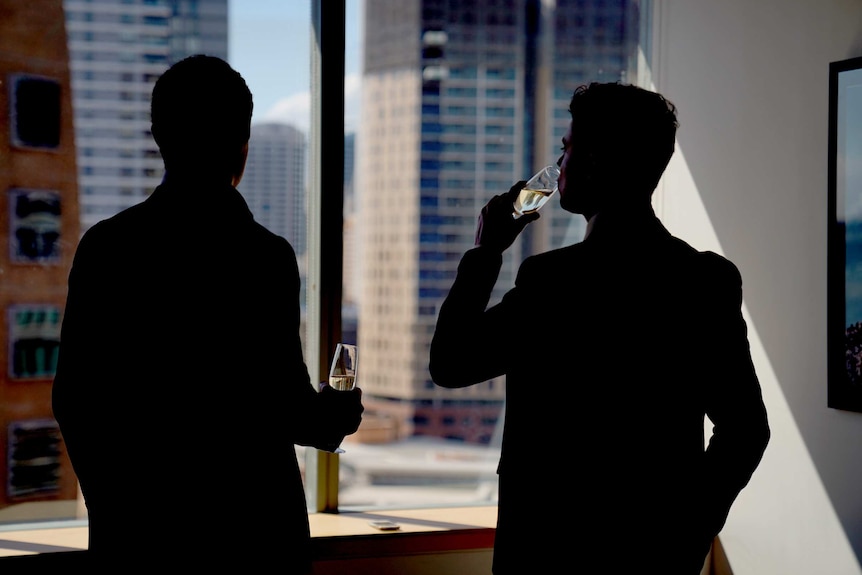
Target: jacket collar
{"points": [[618, 227], [215, 200]]}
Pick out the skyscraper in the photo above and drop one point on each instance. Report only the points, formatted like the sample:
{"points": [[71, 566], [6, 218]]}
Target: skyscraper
{"points": [[117, 50], [274, 180], [460, 100], [39, 216]]}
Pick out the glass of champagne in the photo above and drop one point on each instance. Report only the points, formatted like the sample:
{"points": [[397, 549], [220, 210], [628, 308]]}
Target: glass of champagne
{"points": [[342, 373], [536, 191]]}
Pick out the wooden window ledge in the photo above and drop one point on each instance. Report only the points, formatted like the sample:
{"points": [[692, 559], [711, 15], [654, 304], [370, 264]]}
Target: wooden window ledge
{"points": [[336, 538]]}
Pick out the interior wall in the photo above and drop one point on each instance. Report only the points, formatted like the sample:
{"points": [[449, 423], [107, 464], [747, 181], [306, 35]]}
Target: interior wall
{"points": [[749, 180]]}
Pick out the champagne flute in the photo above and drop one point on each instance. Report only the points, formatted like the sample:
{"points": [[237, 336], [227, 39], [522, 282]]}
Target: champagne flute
{"points": [[536, 192], [342, 372]]}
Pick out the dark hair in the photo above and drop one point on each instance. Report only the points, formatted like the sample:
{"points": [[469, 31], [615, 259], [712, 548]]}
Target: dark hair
{"points": [[201, 112], [627, 126]]}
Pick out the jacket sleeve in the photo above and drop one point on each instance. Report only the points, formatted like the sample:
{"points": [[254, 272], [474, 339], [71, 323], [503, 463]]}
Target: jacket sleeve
{"points": [[734, 403], [466, 343], [77, 385], [315, 419]]}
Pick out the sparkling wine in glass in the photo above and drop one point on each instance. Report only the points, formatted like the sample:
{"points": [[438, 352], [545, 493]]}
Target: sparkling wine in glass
{"points": [[342, 373], [536, 192]]}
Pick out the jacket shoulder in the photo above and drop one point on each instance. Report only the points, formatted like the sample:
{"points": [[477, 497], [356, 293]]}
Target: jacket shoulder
{"points": [[110, 232], [715, 264], [710, 271]]}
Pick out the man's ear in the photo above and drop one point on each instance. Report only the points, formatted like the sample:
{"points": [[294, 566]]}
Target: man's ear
{"points": [[156, 135], [239, 168]]}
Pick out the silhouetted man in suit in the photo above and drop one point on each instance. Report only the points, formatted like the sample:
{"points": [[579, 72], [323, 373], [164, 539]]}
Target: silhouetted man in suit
{"points": [[614, 349], [181, 387]]}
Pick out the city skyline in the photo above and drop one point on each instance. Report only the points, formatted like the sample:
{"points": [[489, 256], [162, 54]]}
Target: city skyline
{"points": [[462, 101]]}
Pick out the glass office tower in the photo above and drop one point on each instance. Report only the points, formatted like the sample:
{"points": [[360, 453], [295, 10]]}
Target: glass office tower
{"points": [[273, 183], [117, 50]]}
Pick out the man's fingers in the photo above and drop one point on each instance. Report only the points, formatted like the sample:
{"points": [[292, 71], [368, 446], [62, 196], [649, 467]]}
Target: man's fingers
{"points": [[515, 189], [526, 219]]}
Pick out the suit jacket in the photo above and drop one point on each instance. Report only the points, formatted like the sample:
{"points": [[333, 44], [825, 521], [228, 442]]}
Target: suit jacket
{"points": [[614, 349], [181, 387]]}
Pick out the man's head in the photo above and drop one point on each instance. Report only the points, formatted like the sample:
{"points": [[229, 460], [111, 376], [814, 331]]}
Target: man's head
{"points": [[201, 117], [619, 143]]}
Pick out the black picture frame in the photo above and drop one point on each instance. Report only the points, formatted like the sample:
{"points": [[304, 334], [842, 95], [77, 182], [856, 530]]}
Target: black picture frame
{"points": [[844, 240]]}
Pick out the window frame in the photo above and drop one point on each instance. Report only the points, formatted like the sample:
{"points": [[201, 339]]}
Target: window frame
{"points": [[325, 224]]}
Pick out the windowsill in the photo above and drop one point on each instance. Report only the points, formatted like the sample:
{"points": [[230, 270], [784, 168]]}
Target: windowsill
{"points": [[433, 530], [339, 536]]}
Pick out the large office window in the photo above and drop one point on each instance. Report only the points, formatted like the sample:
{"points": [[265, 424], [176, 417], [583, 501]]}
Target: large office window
{"points": [[458, 101], [379, 132]]}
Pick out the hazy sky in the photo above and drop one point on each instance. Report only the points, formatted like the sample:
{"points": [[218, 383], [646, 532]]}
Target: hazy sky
{"points": [[849, 167], [268, 43]]}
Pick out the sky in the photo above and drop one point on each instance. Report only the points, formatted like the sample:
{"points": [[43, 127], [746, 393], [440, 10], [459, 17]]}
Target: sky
{"points": [[850, 147], [268, 43]]}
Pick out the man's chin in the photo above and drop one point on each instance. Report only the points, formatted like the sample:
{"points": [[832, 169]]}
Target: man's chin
{"points": [[572, 207]]}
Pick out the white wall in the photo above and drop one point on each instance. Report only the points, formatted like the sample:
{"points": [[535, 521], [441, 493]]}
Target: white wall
{"points": [[750, 79]]}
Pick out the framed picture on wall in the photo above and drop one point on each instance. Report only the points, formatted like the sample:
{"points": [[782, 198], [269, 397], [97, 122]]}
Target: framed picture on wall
{"points": [[844, 267]]}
